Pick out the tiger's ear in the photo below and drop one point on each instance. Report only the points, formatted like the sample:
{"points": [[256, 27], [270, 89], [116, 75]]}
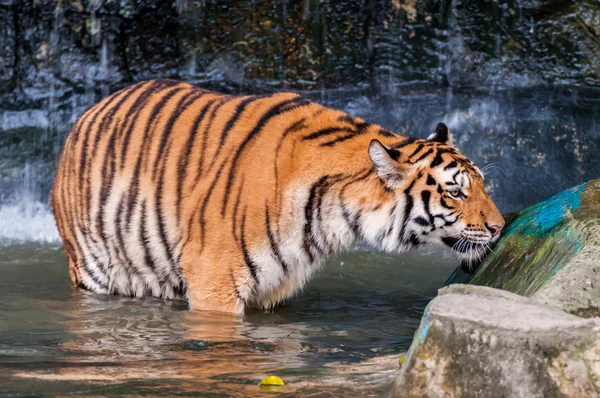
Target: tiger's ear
{"points": [[441, 135], [386, 162]]}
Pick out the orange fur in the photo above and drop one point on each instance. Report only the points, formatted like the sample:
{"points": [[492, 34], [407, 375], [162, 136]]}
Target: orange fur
{"points": [[165, 188]]}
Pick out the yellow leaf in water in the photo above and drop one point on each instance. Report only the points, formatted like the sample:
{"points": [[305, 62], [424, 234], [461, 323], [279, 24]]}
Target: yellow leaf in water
{"points": [[271, 381]]}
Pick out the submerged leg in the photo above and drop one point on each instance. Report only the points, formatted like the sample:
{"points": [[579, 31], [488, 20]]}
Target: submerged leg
{"points": [[212, 284]]}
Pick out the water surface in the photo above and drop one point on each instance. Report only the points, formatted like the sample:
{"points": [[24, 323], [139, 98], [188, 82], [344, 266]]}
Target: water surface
{"points": [[342, 335]]}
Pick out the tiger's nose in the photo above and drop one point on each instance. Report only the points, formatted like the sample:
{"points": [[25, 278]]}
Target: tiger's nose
{"points": [[494, 229]]}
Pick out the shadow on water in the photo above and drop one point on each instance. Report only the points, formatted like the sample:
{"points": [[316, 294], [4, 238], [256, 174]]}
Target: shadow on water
{"points": [[343, 333]]}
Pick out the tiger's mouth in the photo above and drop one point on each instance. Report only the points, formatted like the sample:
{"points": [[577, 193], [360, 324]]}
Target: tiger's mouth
{"points": [[467, 246]]}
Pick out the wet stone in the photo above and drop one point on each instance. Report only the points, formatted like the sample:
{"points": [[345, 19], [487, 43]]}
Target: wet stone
{"points": [[477, 341], [550, 252]]}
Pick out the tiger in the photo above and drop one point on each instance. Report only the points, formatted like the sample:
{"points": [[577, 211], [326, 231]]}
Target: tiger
{"points": [[170, 190]]}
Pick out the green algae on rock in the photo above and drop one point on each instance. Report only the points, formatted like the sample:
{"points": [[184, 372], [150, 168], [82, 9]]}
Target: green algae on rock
{"points": [[550, 251]]}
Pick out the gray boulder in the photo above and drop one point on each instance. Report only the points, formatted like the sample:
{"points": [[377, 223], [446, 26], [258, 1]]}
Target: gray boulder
{"points": [[477, 341]]}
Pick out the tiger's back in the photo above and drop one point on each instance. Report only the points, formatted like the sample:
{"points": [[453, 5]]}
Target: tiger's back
{"points": [[164, 188], [137, 174]]}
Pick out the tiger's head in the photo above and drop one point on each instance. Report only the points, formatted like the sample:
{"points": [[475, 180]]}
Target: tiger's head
{"points": [[439, 193]]}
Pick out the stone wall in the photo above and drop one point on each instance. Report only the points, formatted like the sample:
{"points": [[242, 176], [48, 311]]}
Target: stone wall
{"points": [[79, 45]]}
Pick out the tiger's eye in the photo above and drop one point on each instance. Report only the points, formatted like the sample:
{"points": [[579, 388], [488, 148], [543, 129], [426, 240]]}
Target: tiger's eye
{"points": [[455, 193]]}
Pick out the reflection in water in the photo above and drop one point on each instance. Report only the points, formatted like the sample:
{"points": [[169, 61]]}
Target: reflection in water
{"points": [[343, 334]]}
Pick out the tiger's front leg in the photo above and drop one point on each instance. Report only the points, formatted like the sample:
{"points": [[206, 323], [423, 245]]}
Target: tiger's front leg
{"points": [[211, 281]]}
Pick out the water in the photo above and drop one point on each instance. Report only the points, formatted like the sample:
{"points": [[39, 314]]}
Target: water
{"points": [[343, 335]]}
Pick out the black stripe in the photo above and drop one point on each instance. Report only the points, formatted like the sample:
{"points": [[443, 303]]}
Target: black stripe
{"points": [[182, 106], [444, 204], [423, 156], [95, 259], [122, 247], [136, 109], [145, 239], [352, 223], [360, 176], [158, 198], [92, 275], [431, 180], [235, 210], [407, 209], [294, 127], [321, 194], [233, 119], [455, 175], [185, 158], [386, 133], [407, 141], [153, 120], [347, 118], [449, 223], [236, 115], [414, 239], [419, 147], [249, 262], [237, 292], [315, 198], [451, 165], [83, 161], [107, 180], [175, 274], [421, 221], [326, 131], [359, 125], [276, 110], [134, 187], [206, 199], [426, 197], [338, 140], [274, 246], [222, 102], [437, 160], [308, 217]]}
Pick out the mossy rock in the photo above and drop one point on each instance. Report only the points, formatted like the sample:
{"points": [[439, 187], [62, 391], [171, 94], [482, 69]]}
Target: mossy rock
{"points": [[550, 252]]}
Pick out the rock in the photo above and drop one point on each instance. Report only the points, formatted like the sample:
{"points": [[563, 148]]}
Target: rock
{"points": [[307, 44], [576, 289], [477, 341], [550, 252]]}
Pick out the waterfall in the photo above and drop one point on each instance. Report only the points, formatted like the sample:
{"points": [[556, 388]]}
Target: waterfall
{"points": [[25, 218]]}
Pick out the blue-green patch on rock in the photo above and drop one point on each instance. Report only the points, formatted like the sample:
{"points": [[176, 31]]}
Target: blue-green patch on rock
{"points": [[550, 242]]}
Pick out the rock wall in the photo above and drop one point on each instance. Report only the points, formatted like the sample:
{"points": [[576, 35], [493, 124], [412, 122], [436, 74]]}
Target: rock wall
{"points": [[51, 47]]}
